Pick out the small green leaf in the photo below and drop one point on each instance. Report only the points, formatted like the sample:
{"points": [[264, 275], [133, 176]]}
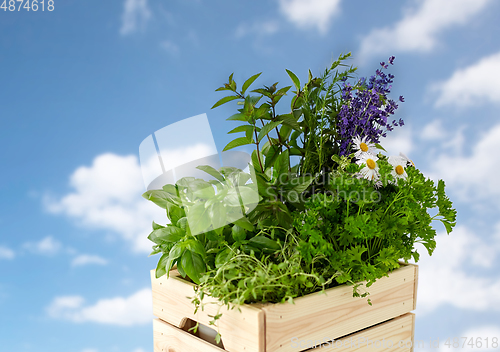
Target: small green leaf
{"points": [[248, 82], [212, 172], [167, 234], [157, 226], [160, 267], [267, 128], [244, 223], [295, 80], [238, 117], [238, 142], [290, 120], [378, 146], [225, 100]]}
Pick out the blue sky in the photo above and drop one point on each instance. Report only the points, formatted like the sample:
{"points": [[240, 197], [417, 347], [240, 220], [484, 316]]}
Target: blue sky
{"points": [[83, 85]]}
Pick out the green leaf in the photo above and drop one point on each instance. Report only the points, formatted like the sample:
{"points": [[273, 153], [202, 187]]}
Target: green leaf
{"points": [[238, 233], [160, 268], [217, 213], [212, 172], [244, 223], [167, 234], [264, 243], [177, 250], [160, 198], [242, 128], [290, 120], [295, 80], [248, 82], [268, 127], [282, 163], [195, 246], [174, 213], [255, 160], [193, 265], [285, 131], [237, 143], [223, 257], [378, 146], [238, 117], [225, 100], [157, 226], [202, 189], [198, 218]]}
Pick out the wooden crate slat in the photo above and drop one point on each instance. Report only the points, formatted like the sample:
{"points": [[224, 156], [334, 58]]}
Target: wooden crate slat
{"points": [[241, 331], [395, 334], [169, 338], [337, 313]]}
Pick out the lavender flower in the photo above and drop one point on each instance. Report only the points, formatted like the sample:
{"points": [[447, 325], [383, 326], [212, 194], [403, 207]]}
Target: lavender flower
{"points": [[366, 109]]}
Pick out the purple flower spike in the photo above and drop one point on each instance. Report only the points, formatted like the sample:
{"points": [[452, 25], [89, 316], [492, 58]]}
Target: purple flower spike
{"points": [[366, 112], [401, 99], [391, 60]]}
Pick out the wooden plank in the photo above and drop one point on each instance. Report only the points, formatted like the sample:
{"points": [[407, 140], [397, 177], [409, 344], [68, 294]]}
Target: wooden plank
{"points": [[415, 288], [395, 334], [241, 331], [337, 313], [169, 338]]}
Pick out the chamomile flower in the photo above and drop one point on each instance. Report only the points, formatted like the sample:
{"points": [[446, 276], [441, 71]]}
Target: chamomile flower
{"points": [[363, 146], [370, 171], [408, 161], [398, 167]]}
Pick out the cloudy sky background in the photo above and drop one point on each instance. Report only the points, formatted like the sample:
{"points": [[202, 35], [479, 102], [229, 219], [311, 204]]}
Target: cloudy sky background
{"points": [[83, 85]]}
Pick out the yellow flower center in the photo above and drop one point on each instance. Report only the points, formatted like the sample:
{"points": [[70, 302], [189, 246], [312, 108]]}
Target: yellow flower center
{"points": [[363, 147], [399, 170], [371, 164]]}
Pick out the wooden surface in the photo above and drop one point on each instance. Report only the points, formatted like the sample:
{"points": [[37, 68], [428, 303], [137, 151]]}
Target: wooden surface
{"points": [[271, 327], [393, 335], [337, 313], [241, 331], [168, 338]]}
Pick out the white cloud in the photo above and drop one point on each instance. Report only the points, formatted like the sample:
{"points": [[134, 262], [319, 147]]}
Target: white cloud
{"points": [[86, 259], [473, 85], [135, 15], [170, 47], [133, 310], [471, 175], [310, 13], [433, 131], [444, 280], [257, 28], [46, 246], [6, 253], [107, 196], [420, 27], [398, 140]]}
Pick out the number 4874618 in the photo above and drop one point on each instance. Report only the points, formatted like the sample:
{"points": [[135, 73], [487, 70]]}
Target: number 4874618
{"points": [[27, 5]]}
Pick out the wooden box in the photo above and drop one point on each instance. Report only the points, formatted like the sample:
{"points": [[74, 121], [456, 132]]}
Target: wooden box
{"points": [[287, 327]]}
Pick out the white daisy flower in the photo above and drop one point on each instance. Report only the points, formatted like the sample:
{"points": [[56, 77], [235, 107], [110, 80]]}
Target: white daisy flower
{"points": [[370, 171], [363, 146], [398, 163], [408, 161]]}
